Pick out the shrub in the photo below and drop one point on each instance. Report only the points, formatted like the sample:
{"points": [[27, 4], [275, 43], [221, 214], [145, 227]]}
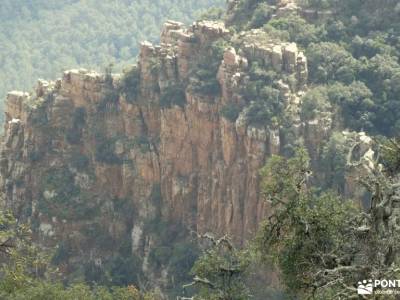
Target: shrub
{"points": [[230, 111], [173, 95], [39, 117], [314, 101], [130, 84], [261, 15], [109, 101], [206, 82], [258, 72], [299, 30], [64, 203], [105, 151], [267, 108], [330, 62], [125, 271], [74, 134], [205, 74]]}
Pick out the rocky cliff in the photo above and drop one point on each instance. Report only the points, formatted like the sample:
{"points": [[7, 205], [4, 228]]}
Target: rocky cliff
{"points": [[99, 156], [206, 165]]}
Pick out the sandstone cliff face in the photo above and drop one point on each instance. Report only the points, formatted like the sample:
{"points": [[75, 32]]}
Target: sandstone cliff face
{"points": [[207, 166], [94, 157], [92, 160]]}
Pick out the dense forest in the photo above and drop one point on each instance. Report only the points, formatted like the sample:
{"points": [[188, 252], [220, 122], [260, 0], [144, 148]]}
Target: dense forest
{"points": [[39, 39], [353, 57], [332, 220]]}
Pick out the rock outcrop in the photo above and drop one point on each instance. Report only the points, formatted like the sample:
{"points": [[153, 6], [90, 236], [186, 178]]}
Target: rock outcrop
{"points": [[101, 155]]}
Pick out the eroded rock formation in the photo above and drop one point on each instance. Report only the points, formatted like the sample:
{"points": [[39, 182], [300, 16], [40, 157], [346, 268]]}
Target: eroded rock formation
{"points": [[93, 156]]}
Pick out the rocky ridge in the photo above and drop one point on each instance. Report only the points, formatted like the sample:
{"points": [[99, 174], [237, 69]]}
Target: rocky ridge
{"points": [[127, 151]]}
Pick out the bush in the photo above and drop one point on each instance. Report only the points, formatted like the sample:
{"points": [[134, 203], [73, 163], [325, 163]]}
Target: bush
{"points": [[206, 82], [299, 30], [64, 203], [74, 134], [316, 100], [39, 117], [205, 74], [125, 271], [261, 15], [173, 95], [266, 109], [230, 112], [214, 13], [105, 151], [130, 84], [333, 163], [259, 73], [330, 62], [109, 101]]}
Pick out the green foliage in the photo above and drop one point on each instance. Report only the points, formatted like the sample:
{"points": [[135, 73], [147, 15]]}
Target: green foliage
{"points": [[124, 207], [305, 228], [261, 15], [266, 105], [299, 30], [390, 149], [357, 106], [39, 116], [282, 177], [61, 181], [125, 270], [105, 150], [261, 75], [204, 75], [314, 102], [25, 273], [172, 247], [110, 99], [214, 13], [130, 84], [319, 4], [62, 198], [230, 111], [219, 272], [173, 95], [74, 134], [330, 62], [206, 82], [356, 48], [267, 109], [333, 163]]}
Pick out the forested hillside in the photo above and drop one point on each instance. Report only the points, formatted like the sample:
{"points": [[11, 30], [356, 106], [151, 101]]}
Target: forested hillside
{"points": [[40, 38], [353, 50]]}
